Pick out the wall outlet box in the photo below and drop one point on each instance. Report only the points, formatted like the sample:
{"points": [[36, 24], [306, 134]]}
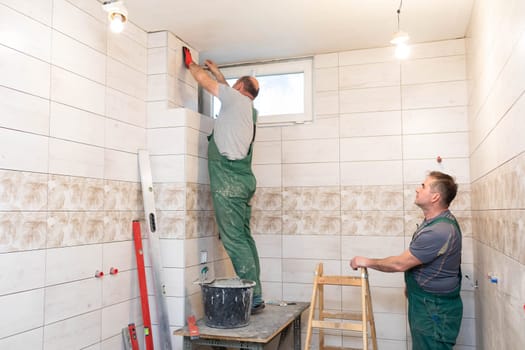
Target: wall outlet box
{"points": [[204, 257]]}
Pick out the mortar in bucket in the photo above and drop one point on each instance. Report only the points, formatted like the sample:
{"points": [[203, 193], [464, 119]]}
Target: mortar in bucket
{"points": [[227, 302]]}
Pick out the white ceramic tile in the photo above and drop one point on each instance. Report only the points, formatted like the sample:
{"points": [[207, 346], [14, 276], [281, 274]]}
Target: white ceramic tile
{"points": [[373, 247], [188, 95], [303, 270], [77, 91], [120, 255], [168, 168], [383, 54], [435, 120], [446, 94], [124, 137], [268, 246], [157, 87], [127, 51], [92, 8], [21, 312], [320, 128], [70, 158], [24, 34], [79, 58], [267, 152], [136, 33], [370, 99], [125, 108], [196, 143], [371, 124], [121, 166], [311, 247], [271, 270], [371, 173], [115, 316], [24, 73], [70, 20], [268, 175], [196, 170], [76, 125], [371, 148], [25, 151], [173, 252], [390, 326], [326, 79], [24, 112], [157, 60], [326, 60], [22, 271], [125, 79], [310, 151], [119, 287], [311, 174], [73, 333], [416, 170], [32, 339], [326, 103], [167, 141], [369, 75], [432, 70], [40, 10], [437, 49], [175, 282], [81, 262], [158, 39], [449, 145]]}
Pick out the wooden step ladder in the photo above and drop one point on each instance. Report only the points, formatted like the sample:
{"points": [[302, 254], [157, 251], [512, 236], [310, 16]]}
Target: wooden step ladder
{"points": [[357, 321]]}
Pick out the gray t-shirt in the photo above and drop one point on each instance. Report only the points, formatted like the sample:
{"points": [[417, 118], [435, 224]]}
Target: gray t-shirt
{"points": [[233, 131], [438, 246]]}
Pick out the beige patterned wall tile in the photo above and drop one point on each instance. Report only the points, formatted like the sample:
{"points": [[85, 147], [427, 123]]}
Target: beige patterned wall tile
{"points": [[413, 219], [75, 193], [200, 223], [312, 222], [198, 197], [121, 195], [267, 222], [118, 225], [23, 190], [488, 227], [461, 202], [372, 198], [311, 198], [267, 198], [372, 223], [22, 231], [67, 229], [169, 196], [171, 223]]}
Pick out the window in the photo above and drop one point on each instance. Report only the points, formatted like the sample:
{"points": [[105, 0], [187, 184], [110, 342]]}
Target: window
{"points": [[285, 90]]}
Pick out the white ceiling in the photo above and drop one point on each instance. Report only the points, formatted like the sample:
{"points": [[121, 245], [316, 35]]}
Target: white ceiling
{"points": [[231, 31]]}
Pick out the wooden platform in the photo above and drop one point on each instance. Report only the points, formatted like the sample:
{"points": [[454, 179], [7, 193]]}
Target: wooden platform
{"points": [[263, 329]]}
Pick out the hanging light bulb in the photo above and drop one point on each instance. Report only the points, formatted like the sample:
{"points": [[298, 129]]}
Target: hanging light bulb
{"points": [[402, 51], [400, 38], [117, 14]]}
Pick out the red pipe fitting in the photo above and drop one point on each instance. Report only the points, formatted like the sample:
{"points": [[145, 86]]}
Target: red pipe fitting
{"points": [[99, 274], [113, 271]]}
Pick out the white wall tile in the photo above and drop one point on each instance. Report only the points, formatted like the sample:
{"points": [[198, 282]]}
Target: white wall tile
{"points": [[271, 269], [326, 79], [168, 168], [309, 151], [371, 173], [438, 48], [24, 73], [125, 108], [127, 51], [25, 152], [447, 94], [303, 270], [92, 8], [196, 143], [268, 246], [21, 312], [81, 262], [449, 145], [118, 254], [125, 79], [196, 170], [450, 68], [72, 299], [370, 100], [70, 158], [267, 152], [268, 175], [40, 11], [32, 339], [24, 112], [123, 136], [416, 170], [326, 60], [158, 39], [24, 34], [173, 252], [119, 287], [371, 148], [369, 75], [76, 125], [315, 247], [120, 166], [118, 316], [135, 33], [79, 58], [22, 271], [78, 24], [73, 333], [320, 128], [76, 91], [371, 124], [435, 120], [383, 54], [157, 60], [175, 281], [167, 140], [326, 103], [311, 174]]}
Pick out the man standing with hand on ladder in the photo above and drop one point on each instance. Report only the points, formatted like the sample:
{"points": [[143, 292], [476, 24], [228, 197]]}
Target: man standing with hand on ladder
{"points": [[232, 182], [432, 266]]}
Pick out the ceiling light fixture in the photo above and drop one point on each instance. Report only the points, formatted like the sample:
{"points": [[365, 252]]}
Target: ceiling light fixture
{"points": [[117, 14], [400, 38]]}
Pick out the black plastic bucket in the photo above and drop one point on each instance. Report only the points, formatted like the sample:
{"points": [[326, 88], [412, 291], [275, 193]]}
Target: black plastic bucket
{"points": [[227, 302]]}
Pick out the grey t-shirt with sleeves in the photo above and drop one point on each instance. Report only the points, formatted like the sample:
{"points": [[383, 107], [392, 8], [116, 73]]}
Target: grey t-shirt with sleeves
{"points": [[233, 130], [438, 246]]}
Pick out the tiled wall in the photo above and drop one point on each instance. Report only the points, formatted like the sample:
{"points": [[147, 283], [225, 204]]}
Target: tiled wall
{"points": [[345, 185], [495, 56]]}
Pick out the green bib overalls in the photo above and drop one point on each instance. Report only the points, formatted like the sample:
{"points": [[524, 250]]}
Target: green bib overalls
{"points": [[434, 319], [232, 185]]}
